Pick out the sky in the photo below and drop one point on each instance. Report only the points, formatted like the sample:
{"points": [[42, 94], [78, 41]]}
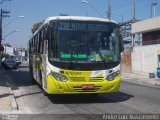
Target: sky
{"points": [[38, 10]]}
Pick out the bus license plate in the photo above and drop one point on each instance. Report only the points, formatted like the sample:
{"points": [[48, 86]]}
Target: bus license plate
{"points": [[87, 86]]}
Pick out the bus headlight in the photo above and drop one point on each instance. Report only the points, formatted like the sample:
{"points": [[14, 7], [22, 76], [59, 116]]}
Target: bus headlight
{"points": [[112, 76], [59, 77]]}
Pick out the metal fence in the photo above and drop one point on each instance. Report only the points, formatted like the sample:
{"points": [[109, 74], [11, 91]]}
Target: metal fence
{"points": [[151, 42]]}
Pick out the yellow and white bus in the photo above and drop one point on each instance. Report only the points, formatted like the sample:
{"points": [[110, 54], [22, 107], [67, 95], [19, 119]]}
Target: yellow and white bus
{"points": [[76, 55]]}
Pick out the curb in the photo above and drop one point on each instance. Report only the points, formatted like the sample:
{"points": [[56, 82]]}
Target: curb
{"points": [[157, 82], [14, 105], [138, 79]]}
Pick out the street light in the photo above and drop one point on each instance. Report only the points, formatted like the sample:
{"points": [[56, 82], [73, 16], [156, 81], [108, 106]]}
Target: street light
{"points": [[12, 21], [10, 34], [86, 2], [153, 7]]}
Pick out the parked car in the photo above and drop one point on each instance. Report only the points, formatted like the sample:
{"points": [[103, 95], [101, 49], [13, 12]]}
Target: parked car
{"points": [[9, 64], [18, 62]]}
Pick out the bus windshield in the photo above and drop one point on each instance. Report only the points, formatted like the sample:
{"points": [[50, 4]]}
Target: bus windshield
{"points": [[84, 42]]}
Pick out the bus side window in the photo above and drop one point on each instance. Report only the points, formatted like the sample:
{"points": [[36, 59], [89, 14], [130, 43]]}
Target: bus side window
{"points": [[35, 44], [34, 47], [44, 39], [45, 33], [52, 46], [41, 42]]}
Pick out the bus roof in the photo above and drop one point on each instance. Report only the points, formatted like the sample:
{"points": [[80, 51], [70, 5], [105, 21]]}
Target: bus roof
{"points": [[78, 18]]}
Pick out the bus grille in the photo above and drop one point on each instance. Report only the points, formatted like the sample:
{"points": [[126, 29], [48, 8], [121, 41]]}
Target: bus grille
{"points": [[96, 78], [77, 79], [93, 79], [79, 89]]}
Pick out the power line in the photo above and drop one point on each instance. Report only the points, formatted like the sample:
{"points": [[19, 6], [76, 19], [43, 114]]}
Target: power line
{"points": [[109, 10], [129, 6], [3, 1]]}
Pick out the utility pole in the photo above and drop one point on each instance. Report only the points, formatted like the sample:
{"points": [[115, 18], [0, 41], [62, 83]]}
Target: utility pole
{"points": [[134, 11], [109, 10], [134, 20], [1, 27], [151, 9], [3, 13]]}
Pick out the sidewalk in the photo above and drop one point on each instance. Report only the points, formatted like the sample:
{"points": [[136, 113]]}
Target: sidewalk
{"points": [[140, 79], [7, 101]]}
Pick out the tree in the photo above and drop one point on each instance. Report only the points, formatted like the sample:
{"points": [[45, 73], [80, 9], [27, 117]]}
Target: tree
{"points": [[36, 26], [7, 45]]}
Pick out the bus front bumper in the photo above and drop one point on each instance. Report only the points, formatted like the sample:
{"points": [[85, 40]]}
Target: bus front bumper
{"points": [[85, 87]]}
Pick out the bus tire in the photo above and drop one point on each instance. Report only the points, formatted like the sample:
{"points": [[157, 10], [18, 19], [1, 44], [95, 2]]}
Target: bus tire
{"points": [[33, 81], [44, 92], [94, 95]]}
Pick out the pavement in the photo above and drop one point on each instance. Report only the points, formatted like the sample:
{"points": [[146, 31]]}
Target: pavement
{"points": [[140, 79], [7, 99]]}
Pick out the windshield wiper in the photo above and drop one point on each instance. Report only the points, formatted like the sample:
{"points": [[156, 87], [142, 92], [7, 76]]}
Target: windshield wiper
{"points": [[102, 57]]}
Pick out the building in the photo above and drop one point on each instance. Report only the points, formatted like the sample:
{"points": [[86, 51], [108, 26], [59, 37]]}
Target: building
{"points": [[146, 58], [150, 30], [19, 54], [9, 51]]}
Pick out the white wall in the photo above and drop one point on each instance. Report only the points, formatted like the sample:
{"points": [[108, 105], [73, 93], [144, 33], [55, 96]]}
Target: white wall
{"points": [[8, 50], [145, 59]]}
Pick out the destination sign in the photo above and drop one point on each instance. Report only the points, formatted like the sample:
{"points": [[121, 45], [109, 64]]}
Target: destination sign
{"points": [[79, 56], [82, 26]]}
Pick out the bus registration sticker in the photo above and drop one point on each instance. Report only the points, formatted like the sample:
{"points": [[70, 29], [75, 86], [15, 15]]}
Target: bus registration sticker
{"points": [[87, 86]]}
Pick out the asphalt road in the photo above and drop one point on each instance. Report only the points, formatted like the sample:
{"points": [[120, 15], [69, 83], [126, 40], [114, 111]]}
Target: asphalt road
{"points": [[132, 99]]}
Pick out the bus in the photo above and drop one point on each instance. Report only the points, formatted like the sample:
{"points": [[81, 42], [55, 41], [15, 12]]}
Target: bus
{"points": [[76, 55]]}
